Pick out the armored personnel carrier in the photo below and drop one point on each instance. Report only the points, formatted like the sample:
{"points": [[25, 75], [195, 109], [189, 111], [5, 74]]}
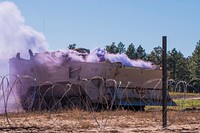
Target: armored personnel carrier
{"points": [[46, 82]]}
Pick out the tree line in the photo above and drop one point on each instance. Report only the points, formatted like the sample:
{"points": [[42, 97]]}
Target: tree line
{"points": [[180, 67]]}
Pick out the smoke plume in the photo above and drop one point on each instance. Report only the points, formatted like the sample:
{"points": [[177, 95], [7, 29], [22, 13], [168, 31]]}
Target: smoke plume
{"points": [[15, 36], [52, 60]]}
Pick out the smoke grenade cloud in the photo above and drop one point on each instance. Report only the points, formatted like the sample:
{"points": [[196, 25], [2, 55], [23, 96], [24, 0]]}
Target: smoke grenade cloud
{"points": [[15, 36], [52, 60], [101, 55]]}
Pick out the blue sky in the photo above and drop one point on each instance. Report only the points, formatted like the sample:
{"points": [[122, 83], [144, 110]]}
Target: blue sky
{"points": [[92, 23]]}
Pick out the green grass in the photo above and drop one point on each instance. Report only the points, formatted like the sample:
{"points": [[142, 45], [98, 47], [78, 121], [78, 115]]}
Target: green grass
{"points": [[181, 104], [181, 94], [182, 100], [188, 103]]}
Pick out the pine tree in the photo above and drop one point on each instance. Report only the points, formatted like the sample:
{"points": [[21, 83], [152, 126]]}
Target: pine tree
{"points": [[72, 46], [178, 65], [131, 51], [112, 48], [140, 53], [195, 62], [156, 56], [121, 48]]}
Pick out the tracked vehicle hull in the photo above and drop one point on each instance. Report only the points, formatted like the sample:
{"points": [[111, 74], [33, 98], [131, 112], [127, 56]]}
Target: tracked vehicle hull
{"points": [[84, 85]]}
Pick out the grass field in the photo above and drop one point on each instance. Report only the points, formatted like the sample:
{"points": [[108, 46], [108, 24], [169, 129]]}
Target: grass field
{"points": [[179, 95]]}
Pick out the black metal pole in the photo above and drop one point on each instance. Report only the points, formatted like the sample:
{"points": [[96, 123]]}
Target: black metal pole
{"points": [[164, 81]]}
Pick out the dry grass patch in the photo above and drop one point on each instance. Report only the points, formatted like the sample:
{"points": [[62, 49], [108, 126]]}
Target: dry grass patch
{"points": [[104, 121]]}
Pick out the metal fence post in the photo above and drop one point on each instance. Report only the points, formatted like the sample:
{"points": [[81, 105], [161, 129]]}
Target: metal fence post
{"points": [[164, 81]]}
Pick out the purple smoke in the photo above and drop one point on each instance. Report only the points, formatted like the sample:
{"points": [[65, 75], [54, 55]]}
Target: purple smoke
{"points": [[53, 59], [100, 55]]}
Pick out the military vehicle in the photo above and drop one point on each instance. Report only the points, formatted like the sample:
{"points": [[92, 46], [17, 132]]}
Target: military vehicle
{"points": [[66, 83]]}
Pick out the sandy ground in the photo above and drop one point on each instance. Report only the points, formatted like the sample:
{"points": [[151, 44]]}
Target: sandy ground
{"points": [[105, 121]]}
